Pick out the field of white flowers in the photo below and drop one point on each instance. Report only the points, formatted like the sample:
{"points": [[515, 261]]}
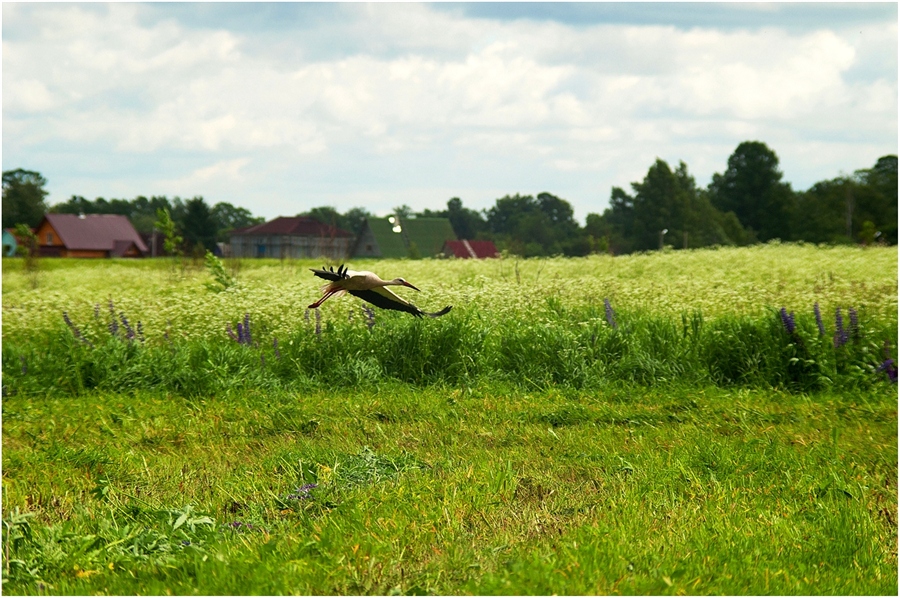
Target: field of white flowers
{"points": [[715, 282]]}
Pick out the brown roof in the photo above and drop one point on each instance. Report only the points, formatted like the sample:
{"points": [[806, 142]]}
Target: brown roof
{"points": [[106, 232], [468, 249], [303, 226]]}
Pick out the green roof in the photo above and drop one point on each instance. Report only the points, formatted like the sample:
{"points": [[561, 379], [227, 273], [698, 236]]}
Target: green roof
{"points": [[428, 235]]}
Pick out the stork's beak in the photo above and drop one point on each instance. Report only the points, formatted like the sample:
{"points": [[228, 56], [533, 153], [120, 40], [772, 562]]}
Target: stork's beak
{"points": [[406, 284]]}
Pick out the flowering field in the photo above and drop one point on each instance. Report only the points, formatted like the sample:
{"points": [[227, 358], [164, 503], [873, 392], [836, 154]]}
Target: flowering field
{"points": [[745, 281], [669, 423]]}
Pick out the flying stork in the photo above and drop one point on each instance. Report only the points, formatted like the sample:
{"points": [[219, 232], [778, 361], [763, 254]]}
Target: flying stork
{"points": [[368, 287]]}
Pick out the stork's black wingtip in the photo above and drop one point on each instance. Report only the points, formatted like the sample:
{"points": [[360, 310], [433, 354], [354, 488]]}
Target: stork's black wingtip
{"points": [[440, 313]]}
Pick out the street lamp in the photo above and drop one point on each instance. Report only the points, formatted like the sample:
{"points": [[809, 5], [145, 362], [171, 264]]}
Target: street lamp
{"points": [[662, 234]]}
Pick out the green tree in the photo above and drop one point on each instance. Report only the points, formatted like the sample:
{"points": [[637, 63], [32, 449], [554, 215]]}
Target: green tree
{"points": [[228, 217], [403, 212], [23, 197], [467, 223], [665, 200], [166, 225], [751, 187], [198, 226]]}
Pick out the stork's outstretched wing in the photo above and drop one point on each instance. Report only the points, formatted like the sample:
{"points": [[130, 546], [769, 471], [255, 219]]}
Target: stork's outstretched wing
{"points": [[330, 274], [386, 299]]}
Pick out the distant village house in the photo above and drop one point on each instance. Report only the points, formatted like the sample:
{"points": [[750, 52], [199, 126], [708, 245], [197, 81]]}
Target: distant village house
{"points": [[470, 249], [92, 236], [291, 237]]}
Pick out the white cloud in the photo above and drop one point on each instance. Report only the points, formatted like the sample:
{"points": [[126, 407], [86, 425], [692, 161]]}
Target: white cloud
{"points": [[493, 102]]}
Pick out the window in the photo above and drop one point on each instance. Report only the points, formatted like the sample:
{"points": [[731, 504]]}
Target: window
{"points": [[49, 238]]}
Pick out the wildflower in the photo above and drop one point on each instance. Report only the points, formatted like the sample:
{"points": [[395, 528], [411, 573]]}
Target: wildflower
{"points": [[819, 319], [303, 492], [275, 346], [248, 340], [231, 332], [888, 366], [610, 315], [140, 331], [75, 330], [350, 316], [854, 323], [840, 335], [113, 323], [370, 316], [129, 331], [96, 311], [318, 322], [306, 315], [788, 320]]}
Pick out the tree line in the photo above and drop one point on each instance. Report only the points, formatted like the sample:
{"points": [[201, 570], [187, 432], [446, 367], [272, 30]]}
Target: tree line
{"points": [[747, 203]]}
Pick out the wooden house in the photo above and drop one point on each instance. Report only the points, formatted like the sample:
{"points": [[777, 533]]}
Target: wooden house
{"points": [[412, 237], [470, 249], [93, 235], [291, 237]]}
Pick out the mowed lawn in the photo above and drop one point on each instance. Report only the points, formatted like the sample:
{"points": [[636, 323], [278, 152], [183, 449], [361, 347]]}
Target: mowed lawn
{"points": [[475, 485]]}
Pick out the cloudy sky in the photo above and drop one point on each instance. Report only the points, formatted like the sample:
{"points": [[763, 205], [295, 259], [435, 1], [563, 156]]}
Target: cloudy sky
{"points": [[282, 107]]}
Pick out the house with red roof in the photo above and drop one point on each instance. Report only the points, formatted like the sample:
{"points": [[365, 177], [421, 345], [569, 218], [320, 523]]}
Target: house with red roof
{"points": [[92, 235], [470, 249], [291, 237]]}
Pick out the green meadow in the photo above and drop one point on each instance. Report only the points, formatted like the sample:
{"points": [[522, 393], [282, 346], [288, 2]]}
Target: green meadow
{"points": [[643, 424]]}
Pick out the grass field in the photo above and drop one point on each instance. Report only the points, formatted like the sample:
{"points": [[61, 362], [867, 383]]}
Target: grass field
{"points": [[532, 441]]}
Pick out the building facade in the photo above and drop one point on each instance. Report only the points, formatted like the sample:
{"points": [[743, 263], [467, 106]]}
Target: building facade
{"points": [[291, 237]]}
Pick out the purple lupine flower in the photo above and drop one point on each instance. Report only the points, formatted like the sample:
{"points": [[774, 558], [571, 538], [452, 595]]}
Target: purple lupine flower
{"points": [[240, 335], [113, 323], [231, 333], [370, 316], [248, 340], [275, 346], [819, 322], [788, 320], [610, 315], [889, 368], [318, 322], [75, 330], [854, 323], [303, 492], [140, 332], [840, 335], [71, 326], [129, 331], [24, 365], [96, 311]]}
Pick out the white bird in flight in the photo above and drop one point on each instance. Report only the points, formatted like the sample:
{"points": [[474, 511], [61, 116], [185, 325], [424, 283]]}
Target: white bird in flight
{"points": [[368, 287]]}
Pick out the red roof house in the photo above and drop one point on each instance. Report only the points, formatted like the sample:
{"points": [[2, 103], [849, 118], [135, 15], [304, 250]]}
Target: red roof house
{"points": [[93, 235], [470, 249], [291, 237]]}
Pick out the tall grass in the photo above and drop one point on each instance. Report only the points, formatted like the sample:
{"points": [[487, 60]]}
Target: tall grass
{"points": [[559, 346]]}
